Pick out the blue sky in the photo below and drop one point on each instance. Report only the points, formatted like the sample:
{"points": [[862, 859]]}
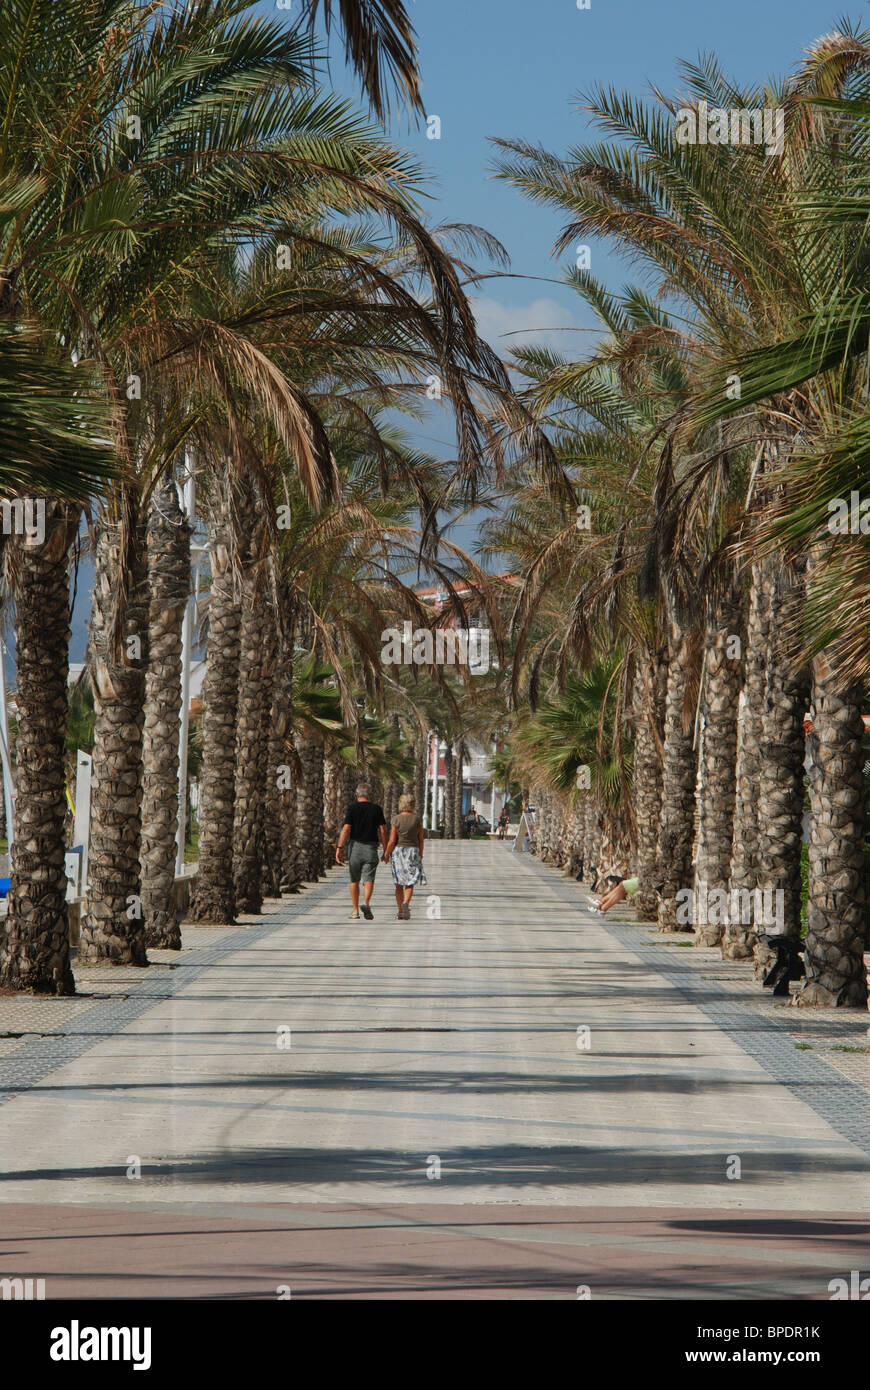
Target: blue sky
{"points": [[513, 69]]}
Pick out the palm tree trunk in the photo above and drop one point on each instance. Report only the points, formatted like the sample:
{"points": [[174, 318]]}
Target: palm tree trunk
{"points": [[34, 947], [112, 928], [214, 896], [292, 856], [420, 778], [678, 785], [333, 769], [717, 773], [257, 638], [309, 804], [783, 752], [652, 684], [836, 931], [583, 804], [592, 846], [458, 761], [275, 791], [739, 936], [169, 585], [280, 839], [447, 816]]}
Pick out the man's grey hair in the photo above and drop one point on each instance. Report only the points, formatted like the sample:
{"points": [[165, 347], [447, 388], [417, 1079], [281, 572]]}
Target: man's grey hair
{"points": [[362, 789]]}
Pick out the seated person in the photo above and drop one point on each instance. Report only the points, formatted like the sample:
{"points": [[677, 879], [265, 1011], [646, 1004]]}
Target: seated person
{"points": [[622, 888]]}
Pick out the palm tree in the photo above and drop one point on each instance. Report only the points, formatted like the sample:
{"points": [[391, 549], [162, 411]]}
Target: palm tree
{"points": [[214, 898], [168, 549], [48, 428], [817, 364], [704, 217], [380, 45], [257, 654]]}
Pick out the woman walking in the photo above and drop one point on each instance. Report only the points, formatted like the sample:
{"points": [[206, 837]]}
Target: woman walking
{"points": [[405, 852]]}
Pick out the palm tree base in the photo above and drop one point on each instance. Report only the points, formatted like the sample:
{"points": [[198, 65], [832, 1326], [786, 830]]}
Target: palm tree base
{"points": [[163, 932], [815, 995], [35, 981], [217, 910]]}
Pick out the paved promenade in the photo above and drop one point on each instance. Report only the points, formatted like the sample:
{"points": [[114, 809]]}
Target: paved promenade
{"points": [[437, 1126]]}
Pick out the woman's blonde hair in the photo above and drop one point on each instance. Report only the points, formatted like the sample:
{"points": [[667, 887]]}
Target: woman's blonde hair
{"points": [[406, 802]]}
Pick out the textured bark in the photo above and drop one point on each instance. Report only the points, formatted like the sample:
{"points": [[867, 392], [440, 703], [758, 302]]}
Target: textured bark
{"points": [[214, 896], [113, 928], [649, 701], [309, 804], [34, 947], [739, 936], [717, 772], [678, 786], [333, 806], [449, 791], [459, 759], [168, 550], [420, 754], [272, 864], [780, 789], [592, 847], [836, 934], [292, 859], [257, 639], [582, 814], [279, 868]]}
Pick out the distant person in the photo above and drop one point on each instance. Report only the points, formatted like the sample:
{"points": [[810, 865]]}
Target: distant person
{"points": [[405, 853], [470, 821], [504, 821], [364, 826]]}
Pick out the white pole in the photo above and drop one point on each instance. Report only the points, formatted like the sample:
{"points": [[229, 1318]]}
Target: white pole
{"points": [[8, 786], [82, 817], [437, 743], [426, 784], [189, 507]]}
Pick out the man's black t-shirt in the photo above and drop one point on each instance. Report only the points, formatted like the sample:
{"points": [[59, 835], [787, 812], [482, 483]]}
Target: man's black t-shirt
{"points": [[364, 818]]}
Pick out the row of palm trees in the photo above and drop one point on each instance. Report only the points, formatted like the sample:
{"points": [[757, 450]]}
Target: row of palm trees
{"points": [[212, 264], [711, 434]]}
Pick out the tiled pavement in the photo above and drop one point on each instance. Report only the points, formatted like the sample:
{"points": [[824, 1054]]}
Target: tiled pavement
{"points": [[448, 1044]]}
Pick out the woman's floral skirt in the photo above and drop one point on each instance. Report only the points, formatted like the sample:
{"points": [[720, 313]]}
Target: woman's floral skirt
{"points": [[407, 867]]}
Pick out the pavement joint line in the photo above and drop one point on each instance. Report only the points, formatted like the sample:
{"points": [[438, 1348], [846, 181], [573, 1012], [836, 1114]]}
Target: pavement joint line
{"points": [[841, 1103]]}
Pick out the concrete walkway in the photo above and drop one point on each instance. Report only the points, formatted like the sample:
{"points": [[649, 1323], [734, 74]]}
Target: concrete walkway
{"points": [[437, 1126]]}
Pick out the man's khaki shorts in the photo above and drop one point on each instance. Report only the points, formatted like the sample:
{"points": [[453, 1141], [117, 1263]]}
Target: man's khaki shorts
{"points": [[362, 862]]}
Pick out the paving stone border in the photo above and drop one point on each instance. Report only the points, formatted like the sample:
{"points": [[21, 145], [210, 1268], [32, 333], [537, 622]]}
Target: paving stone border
{"points": [[35, 1060], [842, 1103]]}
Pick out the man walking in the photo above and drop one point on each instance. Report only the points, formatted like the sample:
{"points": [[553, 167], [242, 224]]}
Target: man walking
{"points": [[364, 826]]}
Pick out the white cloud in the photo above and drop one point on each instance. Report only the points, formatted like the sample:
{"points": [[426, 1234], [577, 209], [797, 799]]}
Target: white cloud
{"points": [[542, 322]]}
